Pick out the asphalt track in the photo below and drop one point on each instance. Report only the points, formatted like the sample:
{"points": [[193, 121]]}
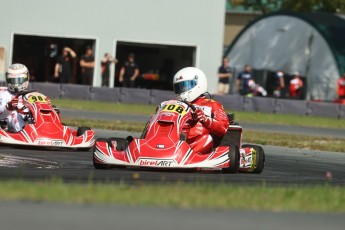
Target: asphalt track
{"points": [[284, 166], [52, 216]]}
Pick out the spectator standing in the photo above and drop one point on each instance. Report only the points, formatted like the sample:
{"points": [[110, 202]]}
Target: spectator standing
{"points": [[296, 86], [105, 63], [87, 64], [279, 83], [63, 70], [129, 72], [224, 75], [341, 87], [242, 83]]}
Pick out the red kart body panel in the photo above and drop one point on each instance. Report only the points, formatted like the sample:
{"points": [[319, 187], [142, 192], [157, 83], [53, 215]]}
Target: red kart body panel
{"points": [[46, 129], [162, 145], [139, 153]]}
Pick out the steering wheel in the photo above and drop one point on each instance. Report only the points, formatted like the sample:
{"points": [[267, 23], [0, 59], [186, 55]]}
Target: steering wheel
{"points": [[189, 104]]}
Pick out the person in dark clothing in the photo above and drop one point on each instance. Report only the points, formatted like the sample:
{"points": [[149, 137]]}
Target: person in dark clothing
{"points": [[278, 84], [129, 72], [224, 75], [63, 70], [105, 63], [87, 64], [243, 78]]}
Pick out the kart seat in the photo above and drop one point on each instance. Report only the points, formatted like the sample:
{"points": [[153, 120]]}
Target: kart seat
{"points": [[232, 136]]}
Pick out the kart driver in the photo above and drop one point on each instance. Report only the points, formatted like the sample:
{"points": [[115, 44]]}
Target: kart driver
{"points": [[190, 84], [17, 78]]}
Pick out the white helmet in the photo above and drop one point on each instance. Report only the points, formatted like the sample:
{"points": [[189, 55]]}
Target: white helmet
{"points": [[189, 83], [17, 78]]}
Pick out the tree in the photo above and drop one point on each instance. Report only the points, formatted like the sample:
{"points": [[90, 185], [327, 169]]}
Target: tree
{"points": [[330, 6], [264, 6]]}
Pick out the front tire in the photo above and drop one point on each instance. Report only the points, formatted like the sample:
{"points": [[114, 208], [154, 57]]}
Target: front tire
{"points": [[97, 165], [234, 156]]}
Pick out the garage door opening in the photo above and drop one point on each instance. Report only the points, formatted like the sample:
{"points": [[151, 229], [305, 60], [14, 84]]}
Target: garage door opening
{"points": [[157, 62], [2, 61], [40, 53]]}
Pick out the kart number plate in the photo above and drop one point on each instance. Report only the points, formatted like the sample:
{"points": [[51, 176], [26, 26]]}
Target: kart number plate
{"points": [[175, 108], [36, 98]]}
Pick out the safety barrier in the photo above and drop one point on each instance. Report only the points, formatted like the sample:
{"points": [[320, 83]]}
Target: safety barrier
{"points": [[153, 96]]}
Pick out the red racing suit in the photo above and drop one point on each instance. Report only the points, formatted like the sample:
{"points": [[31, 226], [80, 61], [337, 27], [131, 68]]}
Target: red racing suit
{"points": [[199, 136], [341, 87], [296, 85], [14, 119]]}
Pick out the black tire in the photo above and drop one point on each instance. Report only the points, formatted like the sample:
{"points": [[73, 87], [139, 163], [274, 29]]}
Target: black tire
{"points": [[97, 165], [82, 130], [260, 157], [234, 155]]}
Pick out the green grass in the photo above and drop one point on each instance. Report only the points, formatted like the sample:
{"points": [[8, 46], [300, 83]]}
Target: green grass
{"points": [[322, 198], [241, 116], [262, 138], [104, 124], [105, 106], [295, 141], [289, 119]]}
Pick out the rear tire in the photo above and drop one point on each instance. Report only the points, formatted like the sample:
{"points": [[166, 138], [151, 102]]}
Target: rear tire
{"points": [[260, 157], [234, 155]]}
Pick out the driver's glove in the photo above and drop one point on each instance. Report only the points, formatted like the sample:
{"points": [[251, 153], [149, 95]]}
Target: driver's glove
{"points": [[12, 104], [202, 118]]}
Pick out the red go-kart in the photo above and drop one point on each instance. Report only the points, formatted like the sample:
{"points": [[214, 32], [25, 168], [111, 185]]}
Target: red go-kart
{"points": [[43, 126], [162, 145]]}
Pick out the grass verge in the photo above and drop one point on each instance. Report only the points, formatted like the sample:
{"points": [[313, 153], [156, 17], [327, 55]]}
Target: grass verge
{"points": [[241, 116], [263, 138], [106, 107], [324, 198], [295, 141], [104, 124]]}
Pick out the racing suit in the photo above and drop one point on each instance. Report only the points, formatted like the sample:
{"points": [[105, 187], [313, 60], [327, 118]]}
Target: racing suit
{"points": [[14, 119], [199, 134]]}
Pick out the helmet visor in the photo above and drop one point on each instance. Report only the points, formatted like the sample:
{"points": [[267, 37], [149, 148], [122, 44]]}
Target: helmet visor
{"points": [[184, 86], [17, 79]]}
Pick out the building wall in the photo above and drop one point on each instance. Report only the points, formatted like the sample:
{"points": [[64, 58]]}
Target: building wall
{"points": [[109, 21]]}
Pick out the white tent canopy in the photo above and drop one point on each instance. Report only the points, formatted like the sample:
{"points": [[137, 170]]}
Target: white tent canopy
{"points": [[287, 42]]}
